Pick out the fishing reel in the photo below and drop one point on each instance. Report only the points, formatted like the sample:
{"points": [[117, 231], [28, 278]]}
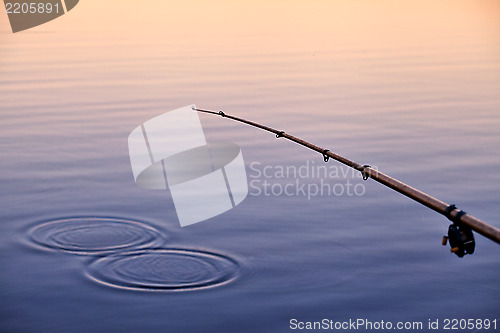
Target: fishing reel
{"points": [[461, 239]]}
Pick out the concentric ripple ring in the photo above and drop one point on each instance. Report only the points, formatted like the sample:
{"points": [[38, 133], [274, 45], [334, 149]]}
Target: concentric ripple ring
{"points": [[94, 235], [164, 270]]}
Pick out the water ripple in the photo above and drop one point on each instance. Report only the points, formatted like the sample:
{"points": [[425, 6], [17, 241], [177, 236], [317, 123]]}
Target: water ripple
{"points": [[94, 235], [164, 270]]}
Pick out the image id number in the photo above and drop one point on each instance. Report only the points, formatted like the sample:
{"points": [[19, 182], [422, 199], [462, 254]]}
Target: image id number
{"points": [[471, 324], [31, 8]]}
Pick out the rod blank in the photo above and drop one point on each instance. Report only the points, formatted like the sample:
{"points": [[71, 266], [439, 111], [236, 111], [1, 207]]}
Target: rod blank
{"points": [[439, 206]]}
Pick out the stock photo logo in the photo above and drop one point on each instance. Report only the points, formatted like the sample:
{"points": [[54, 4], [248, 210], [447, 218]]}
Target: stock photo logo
{"points": [[25, 15], [308, 180], [204, 179]]}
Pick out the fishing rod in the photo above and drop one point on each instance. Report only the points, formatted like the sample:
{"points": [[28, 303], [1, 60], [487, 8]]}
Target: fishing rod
{"points": [[460, 235]]}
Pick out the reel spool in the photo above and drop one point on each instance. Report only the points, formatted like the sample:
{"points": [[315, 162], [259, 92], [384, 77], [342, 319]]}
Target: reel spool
{"points": [[461, 239]]}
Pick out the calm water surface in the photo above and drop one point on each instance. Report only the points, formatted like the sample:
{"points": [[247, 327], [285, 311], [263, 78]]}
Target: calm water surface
{"points": [[410, 87]]}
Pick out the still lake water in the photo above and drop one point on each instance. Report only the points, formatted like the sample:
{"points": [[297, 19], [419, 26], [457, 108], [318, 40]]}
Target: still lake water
{"points": [[411, 87]]}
